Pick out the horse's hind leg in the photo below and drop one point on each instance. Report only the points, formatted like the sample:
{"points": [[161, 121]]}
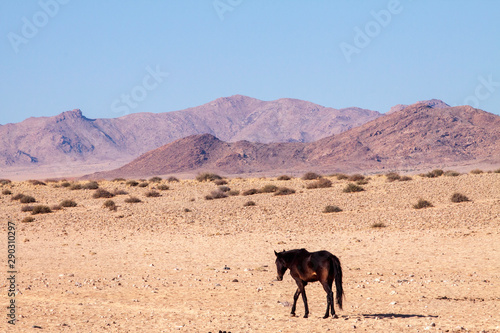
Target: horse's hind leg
{"points": [[295, 298], [329, 299]]}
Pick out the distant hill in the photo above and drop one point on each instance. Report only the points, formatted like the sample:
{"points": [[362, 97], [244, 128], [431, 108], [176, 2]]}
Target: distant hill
{"points": [[72, 140], [417, 136]]}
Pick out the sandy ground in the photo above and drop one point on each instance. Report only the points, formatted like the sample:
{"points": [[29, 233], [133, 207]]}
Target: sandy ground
{"points": [[156, 267]]}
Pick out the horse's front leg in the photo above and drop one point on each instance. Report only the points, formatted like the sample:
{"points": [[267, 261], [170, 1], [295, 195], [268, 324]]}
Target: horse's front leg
{"points": [[295, 298]]}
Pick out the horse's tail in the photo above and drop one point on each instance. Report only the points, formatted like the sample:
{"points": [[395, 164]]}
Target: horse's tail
{"points": [[337, 272]]}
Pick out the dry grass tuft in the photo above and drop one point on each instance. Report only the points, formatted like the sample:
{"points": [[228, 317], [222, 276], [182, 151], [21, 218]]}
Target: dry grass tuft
{"points": [[133, 200], [153, 194], [351, 188], [459, 197], [41, 209], [249, 203], [100, 193], [68, 203], [422, 204], [284, 191], [311, 176], [320, 183], [332, 209], [207, 176], [284, 177]]}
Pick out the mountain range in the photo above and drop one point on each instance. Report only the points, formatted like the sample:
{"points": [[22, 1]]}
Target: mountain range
{"points": [[419, 136], [239, 134], [72, 140]]}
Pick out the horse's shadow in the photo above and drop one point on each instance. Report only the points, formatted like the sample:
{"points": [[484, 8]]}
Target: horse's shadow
{"points": [[396, 315]]}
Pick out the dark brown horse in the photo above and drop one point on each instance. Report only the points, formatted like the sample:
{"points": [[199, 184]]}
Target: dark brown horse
{"points": [[308, 267]]}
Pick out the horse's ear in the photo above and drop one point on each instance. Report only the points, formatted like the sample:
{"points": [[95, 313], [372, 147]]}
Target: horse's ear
{"points": [[276, 253]]}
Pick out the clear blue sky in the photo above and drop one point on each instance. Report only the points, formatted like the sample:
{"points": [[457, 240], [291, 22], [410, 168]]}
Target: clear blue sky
{"points": [[372, 54]]}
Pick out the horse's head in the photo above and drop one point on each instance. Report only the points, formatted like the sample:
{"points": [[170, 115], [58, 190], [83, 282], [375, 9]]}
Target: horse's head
{"points": [[280, 265]]}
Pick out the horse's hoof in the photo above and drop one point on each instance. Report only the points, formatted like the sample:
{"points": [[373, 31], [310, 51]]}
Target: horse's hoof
{"points": [[335, 316], [325, 317], [292, 314], [305, 316]]}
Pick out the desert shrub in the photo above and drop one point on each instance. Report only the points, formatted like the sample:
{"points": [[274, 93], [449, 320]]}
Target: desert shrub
{"points": [[41, 209], [341, 176], [284, 177], [405, 178], [68, 203], [133, 200], [351, 188], [207, 176], [6, 192], [163, 187], [36, 182], [356, 177], [459, 197], [155, 179], [217, 194], [311, 176], [27, 208], [187, 210], [224, 188], [76, 186], [497, 171], [132, 183], [153, 194], [332, 209], [362, 181], [118, 180], [251, 191], [378, 225], [451, 173], [27, 199], [5, 181], [101, 193], [65, 184], [109, 204], [119, 192], [233, 192], [284, 191], [143, 184], [269, 188], [90, 186], [422, 204], [392, 176], [172, 179], [17, 196], [320, 183], [220, 182], [433, 174], [476, 171], [28, 219], [249, 203]]}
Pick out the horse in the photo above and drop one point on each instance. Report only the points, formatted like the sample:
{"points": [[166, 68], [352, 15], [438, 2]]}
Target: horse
{"points": [[308, 267]]}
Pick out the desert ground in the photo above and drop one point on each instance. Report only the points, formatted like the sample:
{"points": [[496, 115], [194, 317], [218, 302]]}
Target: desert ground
{"points": [[181, 263]]}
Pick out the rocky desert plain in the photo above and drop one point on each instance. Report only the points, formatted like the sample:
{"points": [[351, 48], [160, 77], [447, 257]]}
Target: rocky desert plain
{"points": [[178, 262]]}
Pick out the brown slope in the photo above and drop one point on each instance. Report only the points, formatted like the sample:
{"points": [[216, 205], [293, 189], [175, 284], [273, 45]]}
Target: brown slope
{"points": [[72, 139], [206, 152], [418, 136]]}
